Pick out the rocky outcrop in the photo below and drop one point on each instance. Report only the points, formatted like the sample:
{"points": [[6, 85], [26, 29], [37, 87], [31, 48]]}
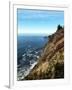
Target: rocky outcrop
{"points": [[51, 63]]}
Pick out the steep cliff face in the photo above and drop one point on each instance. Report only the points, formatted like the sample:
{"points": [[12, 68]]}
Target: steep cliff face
{"points": [[51, 62]]}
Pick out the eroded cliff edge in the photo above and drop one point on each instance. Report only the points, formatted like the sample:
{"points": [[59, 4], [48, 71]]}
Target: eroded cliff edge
{"points": [[51, 62]]}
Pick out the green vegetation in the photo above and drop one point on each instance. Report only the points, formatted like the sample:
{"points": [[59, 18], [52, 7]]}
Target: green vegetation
{"points": [[51, 63]]}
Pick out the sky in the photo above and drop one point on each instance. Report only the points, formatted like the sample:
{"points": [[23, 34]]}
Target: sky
{"points": [[38, 22]]}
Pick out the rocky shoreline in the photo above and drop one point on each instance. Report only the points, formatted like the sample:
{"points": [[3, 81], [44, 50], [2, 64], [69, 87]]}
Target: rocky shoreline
{"points": [[51, 62]]}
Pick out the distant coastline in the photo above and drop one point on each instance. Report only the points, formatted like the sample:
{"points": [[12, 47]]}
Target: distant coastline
{"points": [[51, 63]]}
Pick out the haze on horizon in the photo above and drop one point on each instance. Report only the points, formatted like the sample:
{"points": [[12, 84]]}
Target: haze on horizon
{"points": [[38, 22]]}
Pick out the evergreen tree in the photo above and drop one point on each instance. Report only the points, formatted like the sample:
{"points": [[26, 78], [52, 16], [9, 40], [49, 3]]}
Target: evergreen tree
{"points": [[59, 27]]}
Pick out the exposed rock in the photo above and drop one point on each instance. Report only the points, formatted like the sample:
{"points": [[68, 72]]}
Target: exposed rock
{"points": [[51, 62]]}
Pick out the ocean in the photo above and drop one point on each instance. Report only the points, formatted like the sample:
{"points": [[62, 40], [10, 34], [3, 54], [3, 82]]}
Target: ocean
{"points": [[29, 49]]}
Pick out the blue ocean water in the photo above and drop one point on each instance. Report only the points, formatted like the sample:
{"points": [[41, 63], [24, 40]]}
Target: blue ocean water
{"points": [[29, 49]]}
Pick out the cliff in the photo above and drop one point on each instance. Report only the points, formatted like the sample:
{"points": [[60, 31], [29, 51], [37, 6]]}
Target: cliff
{"points": [[51, 62]]}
